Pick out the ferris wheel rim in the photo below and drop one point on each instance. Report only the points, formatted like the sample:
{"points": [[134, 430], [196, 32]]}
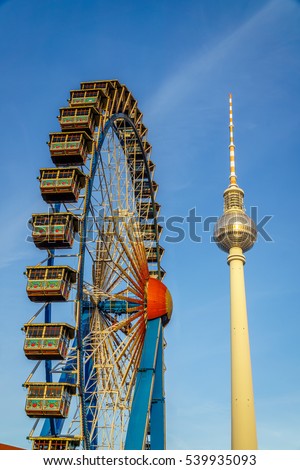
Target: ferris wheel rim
{"points": [[127, 119]]}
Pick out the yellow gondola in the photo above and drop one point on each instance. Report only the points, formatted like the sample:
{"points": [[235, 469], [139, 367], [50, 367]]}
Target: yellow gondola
{"points": [[61, 184], [49, 283], [70, 148], [54, 230], [55, 443], [154, 255], [48, 399], [79, 118], [95, 98], [47, 340]]}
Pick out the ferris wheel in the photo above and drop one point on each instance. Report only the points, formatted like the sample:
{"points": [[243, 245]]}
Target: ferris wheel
{"points": [[97, 337]]}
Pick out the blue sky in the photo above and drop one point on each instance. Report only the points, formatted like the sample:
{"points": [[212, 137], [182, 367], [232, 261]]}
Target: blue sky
{"points": [[180, 59]]}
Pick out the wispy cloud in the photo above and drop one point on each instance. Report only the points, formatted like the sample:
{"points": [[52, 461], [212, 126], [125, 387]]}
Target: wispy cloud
{"points": [[198, 71]]}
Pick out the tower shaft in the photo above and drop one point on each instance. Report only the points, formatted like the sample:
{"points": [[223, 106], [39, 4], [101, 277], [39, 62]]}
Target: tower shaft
{"points": [[243, 424]]}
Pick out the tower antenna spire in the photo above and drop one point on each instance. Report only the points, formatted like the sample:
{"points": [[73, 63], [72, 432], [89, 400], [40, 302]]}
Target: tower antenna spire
{"points": [[232, 176]]}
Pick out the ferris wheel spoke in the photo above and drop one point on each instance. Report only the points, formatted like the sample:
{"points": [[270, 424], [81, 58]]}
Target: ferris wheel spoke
{"points": [[119, 252], [134, 262]]}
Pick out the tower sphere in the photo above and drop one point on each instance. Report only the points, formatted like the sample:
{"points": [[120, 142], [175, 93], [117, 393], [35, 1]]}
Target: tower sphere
{"points": [[235, 229]]}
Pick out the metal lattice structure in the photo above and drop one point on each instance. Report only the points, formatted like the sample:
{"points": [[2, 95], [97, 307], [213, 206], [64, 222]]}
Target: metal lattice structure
{"points": [[100, 374]]}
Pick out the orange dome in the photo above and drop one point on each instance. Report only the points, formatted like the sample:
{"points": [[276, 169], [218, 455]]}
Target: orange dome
{"points": [[159, 301]]}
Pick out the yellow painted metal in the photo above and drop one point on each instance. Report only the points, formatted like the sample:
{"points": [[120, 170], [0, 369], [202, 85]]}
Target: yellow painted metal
{"points": [[243, 431]]}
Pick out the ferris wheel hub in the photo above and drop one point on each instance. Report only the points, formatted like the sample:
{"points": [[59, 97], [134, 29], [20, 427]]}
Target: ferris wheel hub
{"points": [[159, 300]]}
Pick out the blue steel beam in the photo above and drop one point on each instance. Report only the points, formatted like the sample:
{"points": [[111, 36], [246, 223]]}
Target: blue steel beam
{"points": [[116, 307], [141, 405], [51, 427], [157, 416], [54, 426]]}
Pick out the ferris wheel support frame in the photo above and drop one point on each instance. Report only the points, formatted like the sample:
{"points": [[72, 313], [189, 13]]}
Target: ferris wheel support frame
{"points": [[148, 399]]}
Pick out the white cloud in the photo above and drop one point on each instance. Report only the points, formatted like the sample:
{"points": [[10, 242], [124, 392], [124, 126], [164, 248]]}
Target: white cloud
{"points": [[198, 71]]}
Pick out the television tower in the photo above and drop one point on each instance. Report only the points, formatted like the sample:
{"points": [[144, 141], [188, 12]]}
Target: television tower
{"points": [[236, 233]]}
